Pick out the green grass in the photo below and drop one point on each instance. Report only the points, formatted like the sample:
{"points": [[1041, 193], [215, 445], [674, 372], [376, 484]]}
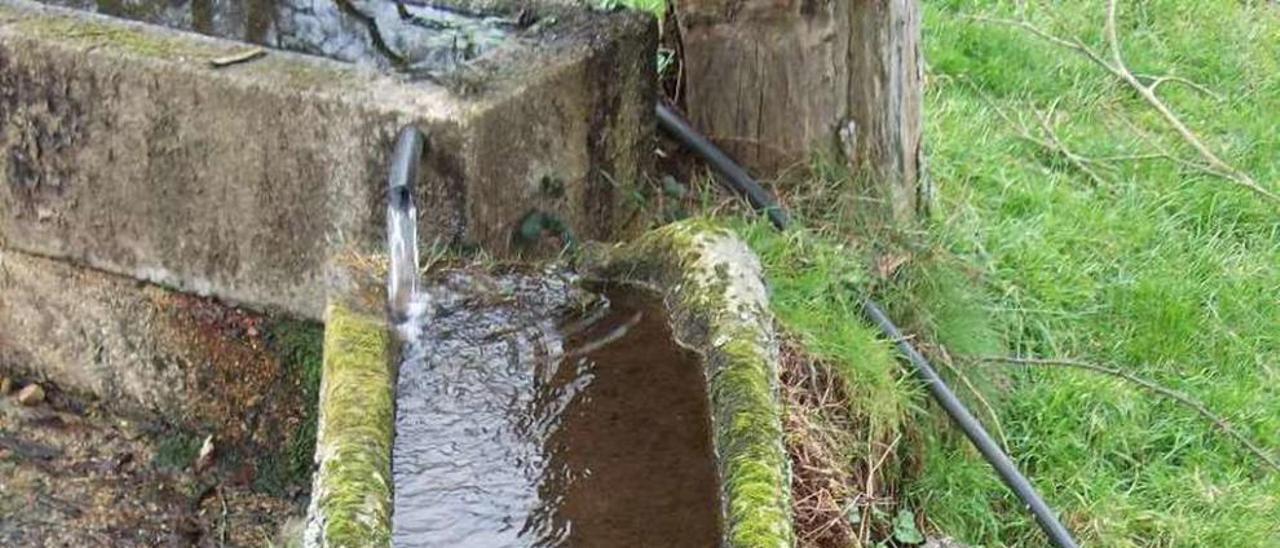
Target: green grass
{"points": [[1162, 271], [814, 284], [657, 7]]}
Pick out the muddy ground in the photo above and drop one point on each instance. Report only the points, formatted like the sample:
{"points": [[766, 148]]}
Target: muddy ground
{"points": [[72, 474]]}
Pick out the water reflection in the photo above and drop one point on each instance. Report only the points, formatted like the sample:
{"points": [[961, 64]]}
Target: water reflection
{"points": [[389, 35], [519, 423]]}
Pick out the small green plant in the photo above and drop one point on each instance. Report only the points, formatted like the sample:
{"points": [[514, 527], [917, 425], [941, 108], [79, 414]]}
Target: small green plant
{"points": [[904, 528], [176, 451], [300, 348], [657, 7]]}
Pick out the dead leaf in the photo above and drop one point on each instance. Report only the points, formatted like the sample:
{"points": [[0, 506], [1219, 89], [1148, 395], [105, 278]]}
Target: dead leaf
{"points": [[236, 58], [206, 455], [888, 265]]}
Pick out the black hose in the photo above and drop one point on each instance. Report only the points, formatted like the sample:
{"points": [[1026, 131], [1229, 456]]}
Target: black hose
{"points": [[972, 429], [733, 175], [739, 181], [405, 159]]}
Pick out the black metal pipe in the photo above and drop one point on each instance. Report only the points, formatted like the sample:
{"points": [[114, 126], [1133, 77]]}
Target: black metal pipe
{"points": [[402, 223], [730, 172], [739, 181], [972, 429], [405, 159]]}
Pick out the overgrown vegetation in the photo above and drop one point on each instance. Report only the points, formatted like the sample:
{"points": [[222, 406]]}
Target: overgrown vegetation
{"points": [[1075, 221], [1101, 233], [848, 404], [299, 347]]}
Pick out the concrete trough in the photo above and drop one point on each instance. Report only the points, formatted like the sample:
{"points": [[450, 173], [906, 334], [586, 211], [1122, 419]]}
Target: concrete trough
{"points": [[713, 289], [165, 222], [125, 149]]}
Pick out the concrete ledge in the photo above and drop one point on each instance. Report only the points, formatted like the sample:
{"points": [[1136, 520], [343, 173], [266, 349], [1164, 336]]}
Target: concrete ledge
{"points": [[715, 292], [121, 148]]}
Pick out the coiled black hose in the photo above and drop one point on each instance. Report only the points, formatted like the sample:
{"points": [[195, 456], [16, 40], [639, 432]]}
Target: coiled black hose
{"points": [[741, 183]]}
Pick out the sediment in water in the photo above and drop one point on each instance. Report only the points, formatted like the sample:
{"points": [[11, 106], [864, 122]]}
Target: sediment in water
{"points": [[532, 412]]}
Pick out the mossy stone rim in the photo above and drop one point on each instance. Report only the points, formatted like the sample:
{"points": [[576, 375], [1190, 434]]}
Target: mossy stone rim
{"points": [[714, 289]]}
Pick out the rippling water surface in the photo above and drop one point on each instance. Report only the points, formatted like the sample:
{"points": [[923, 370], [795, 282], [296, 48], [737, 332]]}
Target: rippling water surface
{"points": [[534, 413]]}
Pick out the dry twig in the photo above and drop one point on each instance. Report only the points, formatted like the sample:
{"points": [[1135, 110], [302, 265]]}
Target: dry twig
{"points": [[1117, 67], [1217, 420], [243, 56], [986, 405], [1051, 142]]}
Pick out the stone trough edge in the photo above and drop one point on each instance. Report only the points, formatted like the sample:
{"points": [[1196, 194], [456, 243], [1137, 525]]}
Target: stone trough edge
{"points": [[714, 290]]}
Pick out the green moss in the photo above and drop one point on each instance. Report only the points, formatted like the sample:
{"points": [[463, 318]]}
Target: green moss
{"points": [[300, 348], [176, 451], [356, 431], [298, 345], [90, 33]]}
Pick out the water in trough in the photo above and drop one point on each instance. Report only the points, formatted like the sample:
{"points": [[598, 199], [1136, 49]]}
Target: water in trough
{"points": [[528, 416], [531, 411]]}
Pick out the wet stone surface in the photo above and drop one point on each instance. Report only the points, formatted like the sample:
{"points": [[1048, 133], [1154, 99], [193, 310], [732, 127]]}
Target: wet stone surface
{"points": [[533, 413], [71, 475], [408, 36]]}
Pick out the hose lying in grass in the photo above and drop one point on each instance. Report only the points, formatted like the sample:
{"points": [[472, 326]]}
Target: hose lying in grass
{"points": [[738, 181]]}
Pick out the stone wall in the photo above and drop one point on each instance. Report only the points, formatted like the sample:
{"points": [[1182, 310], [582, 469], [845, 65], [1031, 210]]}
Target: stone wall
{"points": [[122, 148]]}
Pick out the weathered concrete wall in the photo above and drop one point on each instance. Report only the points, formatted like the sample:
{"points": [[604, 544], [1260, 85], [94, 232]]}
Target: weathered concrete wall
{"points": [[143, 350], [123, 149]]}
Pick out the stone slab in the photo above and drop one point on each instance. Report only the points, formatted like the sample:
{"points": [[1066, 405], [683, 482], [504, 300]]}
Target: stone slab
{"points": [[123, 149]]}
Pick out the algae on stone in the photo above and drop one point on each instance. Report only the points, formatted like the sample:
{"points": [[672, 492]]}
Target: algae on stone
{"points": [[351, 496], [718, 305]]}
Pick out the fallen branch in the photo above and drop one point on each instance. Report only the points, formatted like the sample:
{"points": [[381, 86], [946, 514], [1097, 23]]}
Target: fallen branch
{"points": [[1217, 420], [1080, 162], [1051, 142], [1155, 82], [1117, 67], [222, 521], [986, 405], [1149, 140]]}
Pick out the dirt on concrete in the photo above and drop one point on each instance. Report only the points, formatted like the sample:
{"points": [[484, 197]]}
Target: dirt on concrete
{"points": [[72, 474]]}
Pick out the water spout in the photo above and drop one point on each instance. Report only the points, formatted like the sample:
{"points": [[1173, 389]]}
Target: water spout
{"points": [[404, 296]]}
